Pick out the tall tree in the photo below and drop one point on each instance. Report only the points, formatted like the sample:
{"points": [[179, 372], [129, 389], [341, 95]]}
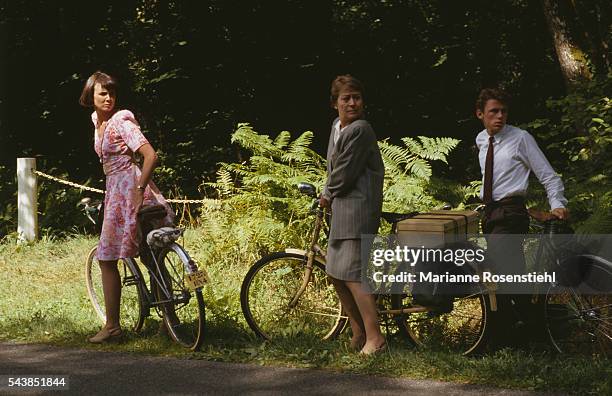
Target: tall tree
{"points": [[573, 57]]}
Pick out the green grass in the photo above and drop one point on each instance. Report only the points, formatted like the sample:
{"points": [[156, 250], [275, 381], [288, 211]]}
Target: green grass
{"points": [[43, 299]]}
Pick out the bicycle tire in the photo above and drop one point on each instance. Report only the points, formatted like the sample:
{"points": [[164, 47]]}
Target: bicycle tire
{"points": [[581, 323], [184, 316], [133, 309], [465, 329], [269, 286]]}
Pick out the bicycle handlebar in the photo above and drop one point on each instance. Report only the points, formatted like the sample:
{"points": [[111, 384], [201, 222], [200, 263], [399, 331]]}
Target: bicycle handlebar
{"points": [[90, 208]]}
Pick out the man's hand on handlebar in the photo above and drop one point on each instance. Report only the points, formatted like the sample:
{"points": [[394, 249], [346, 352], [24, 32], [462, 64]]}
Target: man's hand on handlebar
{"points": [[542, 216], [560, 213]]}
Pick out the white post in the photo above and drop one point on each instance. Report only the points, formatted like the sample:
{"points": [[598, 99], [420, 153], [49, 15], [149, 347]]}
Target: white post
{"points": [[27, 200]]}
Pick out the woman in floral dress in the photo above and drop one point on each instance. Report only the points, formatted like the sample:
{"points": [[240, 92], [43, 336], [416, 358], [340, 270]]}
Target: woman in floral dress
{"points": [[117, 139]]}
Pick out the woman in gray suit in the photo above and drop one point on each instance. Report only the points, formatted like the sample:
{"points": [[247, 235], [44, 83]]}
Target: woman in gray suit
{"points": [[355, 174]]}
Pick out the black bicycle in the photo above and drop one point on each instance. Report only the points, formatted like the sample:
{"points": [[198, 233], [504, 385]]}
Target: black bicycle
{"points": [[175, 292], [577, 306]]}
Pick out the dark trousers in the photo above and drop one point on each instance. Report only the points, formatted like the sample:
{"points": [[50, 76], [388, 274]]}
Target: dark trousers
{"points": [[503, 224]]}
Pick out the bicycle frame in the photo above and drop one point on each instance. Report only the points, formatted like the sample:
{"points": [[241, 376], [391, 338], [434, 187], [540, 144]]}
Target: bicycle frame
{"points": [[310, 254], [316, 251], [159, 279]]}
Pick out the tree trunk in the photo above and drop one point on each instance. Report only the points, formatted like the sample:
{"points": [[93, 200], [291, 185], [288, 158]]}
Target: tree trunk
{"points": [[561, 20], [594, 17]]}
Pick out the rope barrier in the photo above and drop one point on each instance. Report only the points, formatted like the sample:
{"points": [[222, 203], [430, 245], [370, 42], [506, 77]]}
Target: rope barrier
{"points": [[97, 190], [68, 183]]}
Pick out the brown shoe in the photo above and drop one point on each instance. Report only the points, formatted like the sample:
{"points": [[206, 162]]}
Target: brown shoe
{"points": [[106, 335]]}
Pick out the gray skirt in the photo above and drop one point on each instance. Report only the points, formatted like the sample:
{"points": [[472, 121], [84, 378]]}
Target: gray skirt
{"points": [[343, 260]]}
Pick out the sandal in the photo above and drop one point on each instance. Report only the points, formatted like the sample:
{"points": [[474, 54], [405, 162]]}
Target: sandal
{"points": [[106, 335], [375, 351]]}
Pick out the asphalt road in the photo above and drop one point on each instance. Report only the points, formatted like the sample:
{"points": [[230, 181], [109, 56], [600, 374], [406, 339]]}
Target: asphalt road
{"points": [[92, 372]]}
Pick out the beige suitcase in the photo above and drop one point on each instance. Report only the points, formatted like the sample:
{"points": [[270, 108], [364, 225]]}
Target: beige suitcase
{"points": [[437, 227]]}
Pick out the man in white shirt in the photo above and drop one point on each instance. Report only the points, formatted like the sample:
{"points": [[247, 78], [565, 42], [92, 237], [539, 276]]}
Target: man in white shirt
{"points": [[515, 154], [507, 156]]}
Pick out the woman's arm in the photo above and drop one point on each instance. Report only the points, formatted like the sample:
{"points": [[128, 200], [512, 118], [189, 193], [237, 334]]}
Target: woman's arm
{"points": [[148, 166]]}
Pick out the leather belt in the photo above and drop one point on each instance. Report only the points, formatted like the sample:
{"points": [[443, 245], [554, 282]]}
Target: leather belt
{"points": [[514, 200]]}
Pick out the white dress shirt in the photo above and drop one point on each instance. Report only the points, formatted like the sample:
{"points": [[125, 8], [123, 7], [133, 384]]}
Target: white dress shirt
{"points": [[337, 131], [515, 154]]}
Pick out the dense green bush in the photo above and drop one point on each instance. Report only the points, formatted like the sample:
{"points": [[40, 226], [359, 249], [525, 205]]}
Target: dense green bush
{"points": [[261, 210], [579, 132], [58, 214], [8, 200]]}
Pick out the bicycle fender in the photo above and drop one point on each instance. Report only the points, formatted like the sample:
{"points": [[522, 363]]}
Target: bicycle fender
{"points": [[302, 252], [191, 267]]}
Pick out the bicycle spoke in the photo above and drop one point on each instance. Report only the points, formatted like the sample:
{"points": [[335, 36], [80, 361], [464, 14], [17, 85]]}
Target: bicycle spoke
{"points": [[269, 288], [184, 312]]}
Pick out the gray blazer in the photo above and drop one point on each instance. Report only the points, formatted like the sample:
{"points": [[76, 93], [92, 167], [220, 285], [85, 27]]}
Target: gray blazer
{"points": [[355, 174]]}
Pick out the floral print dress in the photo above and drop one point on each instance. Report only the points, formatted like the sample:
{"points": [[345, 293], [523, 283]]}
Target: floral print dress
{"points": [[119, 141]]}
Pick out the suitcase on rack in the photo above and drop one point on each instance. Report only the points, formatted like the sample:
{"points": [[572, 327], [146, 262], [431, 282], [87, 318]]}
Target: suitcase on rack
{"points": [[437, 228]]}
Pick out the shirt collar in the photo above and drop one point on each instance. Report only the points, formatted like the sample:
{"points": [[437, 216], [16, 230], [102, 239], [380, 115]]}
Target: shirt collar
{"points": [[501, 135], [337, 126]]}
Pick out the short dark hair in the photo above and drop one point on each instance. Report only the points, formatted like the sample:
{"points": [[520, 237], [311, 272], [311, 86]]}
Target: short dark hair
{"points": [[106, 81], [491, 93], [345, 80]]}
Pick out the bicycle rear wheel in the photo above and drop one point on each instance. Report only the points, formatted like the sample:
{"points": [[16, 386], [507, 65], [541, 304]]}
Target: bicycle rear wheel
{"points": [[270, 285], [184, 312], [133, 309], [463, 330], [581, 323]]}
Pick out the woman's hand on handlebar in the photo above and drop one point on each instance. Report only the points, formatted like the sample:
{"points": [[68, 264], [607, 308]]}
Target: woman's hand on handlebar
{"points": [[324, 202]]}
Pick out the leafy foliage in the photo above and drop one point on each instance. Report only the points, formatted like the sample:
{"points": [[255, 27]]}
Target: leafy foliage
{"points": [[260, 209], [259, 196], [408, 175], [57, 205], [8, 197], [580, 131]]}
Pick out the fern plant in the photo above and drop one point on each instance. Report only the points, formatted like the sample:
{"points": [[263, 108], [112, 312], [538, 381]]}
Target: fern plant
{"points": [[409, 184], [262, 193], [263, 208]]}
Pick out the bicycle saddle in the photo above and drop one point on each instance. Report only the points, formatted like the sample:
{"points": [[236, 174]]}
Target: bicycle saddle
{"points": [[164, 236], [393, 218]]}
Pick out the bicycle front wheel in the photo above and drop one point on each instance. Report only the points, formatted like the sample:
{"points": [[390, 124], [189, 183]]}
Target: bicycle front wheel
{"points": [[462, 330], [183, 309], [133, 309], [270, 286], [581, 323]]}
